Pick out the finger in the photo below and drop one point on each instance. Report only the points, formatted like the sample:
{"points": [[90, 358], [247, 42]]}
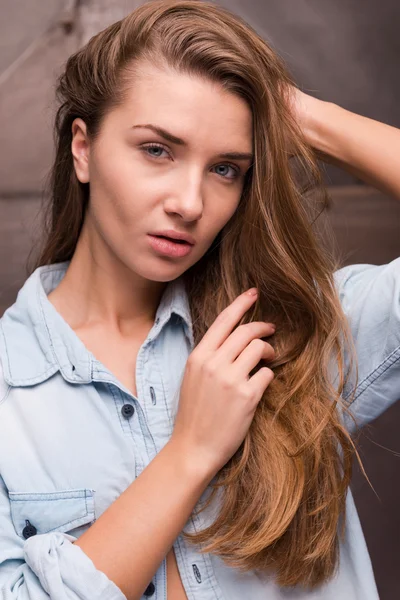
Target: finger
{"points": [[242, 336], [251, 356], [259, 382], [226, 321]]}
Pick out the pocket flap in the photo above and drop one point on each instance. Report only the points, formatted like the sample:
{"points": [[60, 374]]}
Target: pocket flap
{"points": [[52, 511]]}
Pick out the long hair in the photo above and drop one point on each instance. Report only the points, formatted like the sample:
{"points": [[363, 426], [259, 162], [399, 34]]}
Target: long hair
{"points": [[284, 489]]}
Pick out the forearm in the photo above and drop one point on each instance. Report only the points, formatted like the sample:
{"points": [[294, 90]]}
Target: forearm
{"points": [[131, 538], [368, 149]]}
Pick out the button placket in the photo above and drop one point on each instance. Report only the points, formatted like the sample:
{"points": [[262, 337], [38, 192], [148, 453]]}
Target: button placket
{"points": [[196, 570], [156, 399], [124, 408], [157, 416]]}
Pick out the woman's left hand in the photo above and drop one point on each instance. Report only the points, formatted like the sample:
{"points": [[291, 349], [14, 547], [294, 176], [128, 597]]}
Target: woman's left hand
{"points": [[306, 109], [365, 148]]}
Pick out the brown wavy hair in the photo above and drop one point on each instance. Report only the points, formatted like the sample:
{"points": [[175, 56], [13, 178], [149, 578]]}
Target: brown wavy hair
{"points": [[284, 489]]}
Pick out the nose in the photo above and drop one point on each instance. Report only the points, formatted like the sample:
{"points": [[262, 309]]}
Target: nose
{"points": [[186, 200]]}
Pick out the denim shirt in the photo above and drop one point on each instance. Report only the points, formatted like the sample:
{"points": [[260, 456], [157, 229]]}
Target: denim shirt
{"points": [[73, 438]]}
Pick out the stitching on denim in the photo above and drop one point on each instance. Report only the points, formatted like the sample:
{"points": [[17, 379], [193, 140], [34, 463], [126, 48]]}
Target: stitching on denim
{"points": [[98, 370], [164, 565], [129, 423], [206, 558], [183, 562], [45, 323], [45, 496], [50, 332], [141, 417], [164, 386], [146, 420], [71, 523], [141, 362], [140, 368], [110, 386], [44, 374], [37, 378], [390, 360]]}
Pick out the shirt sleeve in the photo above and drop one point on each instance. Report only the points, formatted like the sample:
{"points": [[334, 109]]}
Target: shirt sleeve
{"points": [[370, 297], [47, 566]]}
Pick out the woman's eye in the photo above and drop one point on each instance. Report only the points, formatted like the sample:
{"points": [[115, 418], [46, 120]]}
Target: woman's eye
{"points": [[222, 170], [158, 150]]}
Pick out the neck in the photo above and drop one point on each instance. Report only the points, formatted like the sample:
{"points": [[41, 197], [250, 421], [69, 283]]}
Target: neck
{"points": [[99, 289]]}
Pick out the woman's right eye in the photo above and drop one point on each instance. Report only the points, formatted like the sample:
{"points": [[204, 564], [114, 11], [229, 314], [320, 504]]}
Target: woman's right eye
{"points": [[157, 147]]}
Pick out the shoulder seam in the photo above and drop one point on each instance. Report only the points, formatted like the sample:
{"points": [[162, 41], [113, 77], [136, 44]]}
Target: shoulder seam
{"points": [[363, 385]]}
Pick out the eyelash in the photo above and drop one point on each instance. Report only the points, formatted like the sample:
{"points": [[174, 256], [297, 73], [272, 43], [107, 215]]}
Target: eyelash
{"points": [[147, 146]]}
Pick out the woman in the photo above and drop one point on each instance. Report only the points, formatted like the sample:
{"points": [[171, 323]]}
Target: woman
{"points": [[155, 440]]}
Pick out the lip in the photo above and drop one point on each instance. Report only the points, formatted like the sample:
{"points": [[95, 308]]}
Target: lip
{"points": [[169, 248], [175, 235]]}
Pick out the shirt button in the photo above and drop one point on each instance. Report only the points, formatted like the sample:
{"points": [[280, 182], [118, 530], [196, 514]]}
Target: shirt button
{"points": [[29, 530], [127, 411], [151, 588]]}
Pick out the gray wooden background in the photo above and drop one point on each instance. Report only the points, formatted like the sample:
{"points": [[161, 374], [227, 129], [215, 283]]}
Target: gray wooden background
{"points": [[346, 51]]}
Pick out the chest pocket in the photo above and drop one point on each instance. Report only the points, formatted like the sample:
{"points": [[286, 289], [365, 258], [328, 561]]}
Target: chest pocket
{"points": [[62, 511]]}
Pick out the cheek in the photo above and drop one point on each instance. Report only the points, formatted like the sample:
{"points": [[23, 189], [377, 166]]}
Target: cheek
{"points": [[118, 193], [223, 211]]}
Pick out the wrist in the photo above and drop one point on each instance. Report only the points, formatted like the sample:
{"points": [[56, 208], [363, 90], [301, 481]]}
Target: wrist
{"points": [[322, 128], [191, 465], [315, 119]]}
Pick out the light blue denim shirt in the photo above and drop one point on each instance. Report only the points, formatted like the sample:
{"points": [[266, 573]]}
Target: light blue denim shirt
{"points": [[72, 439]]}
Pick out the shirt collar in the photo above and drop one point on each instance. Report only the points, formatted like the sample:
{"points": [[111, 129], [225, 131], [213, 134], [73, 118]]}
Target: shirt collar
{"points": [[36, 342]]}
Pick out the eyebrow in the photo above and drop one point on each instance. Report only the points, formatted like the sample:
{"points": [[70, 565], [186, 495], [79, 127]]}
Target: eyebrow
{"points": [[180, 142]]}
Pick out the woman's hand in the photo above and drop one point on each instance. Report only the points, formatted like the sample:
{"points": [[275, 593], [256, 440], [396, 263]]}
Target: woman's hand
{"points": [[218, 398], [308, 113], [365, 148], [304, 108]]}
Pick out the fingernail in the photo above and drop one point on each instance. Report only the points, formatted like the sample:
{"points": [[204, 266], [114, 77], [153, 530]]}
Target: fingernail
{"points": [[252, 292]]}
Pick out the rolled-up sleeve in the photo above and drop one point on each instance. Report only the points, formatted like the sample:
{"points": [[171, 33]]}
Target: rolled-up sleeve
{"points": [[47, 565], [370, 297]]}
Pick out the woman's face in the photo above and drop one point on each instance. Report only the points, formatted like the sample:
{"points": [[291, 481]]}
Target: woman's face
{"points": [[142, 181]]}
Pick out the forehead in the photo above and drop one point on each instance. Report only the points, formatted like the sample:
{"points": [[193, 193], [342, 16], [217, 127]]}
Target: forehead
{"points": [[187, 105]]}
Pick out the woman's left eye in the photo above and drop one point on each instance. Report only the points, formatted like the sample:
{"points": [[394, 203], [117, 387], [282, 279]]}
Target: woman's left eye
{"points": [[235, 171]]}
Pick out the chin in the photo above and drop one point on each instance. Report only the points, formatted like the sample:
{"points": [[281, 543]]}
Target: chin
{"points": [[163, 272]]}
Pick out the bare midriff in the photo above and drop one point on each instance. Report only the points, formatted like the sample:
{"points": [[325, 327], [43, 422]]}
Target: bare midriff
{"points": [[175, 589]]}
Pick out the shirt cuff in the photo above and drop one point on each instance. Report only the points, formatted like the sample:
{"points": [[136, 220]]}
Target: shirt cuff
{"points": [[64, 570]]}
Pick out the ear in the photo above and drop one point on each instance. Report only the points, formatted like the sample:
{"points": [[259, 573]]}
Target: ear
{"points": [[80, 148]]}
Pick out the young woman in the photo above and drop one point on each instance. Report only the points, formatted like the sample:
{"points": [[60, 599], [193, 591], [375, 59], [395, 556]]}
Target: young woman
{"points": [[165, 432]]}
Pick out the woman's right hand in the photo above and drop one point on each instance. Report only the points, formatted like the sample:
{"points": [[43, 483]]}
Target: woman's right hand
{"points": [[218, 398]]}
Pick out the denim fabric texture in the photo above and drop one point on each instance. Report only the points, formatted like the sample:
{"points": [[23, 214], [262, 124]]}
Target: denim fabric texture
{"points": [[72, 439]]}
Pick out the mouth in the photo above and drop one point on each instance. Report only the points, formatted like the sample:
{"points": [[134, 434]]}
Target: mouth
{"points": [[164, 237], [177, 237], [169, 246]]}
